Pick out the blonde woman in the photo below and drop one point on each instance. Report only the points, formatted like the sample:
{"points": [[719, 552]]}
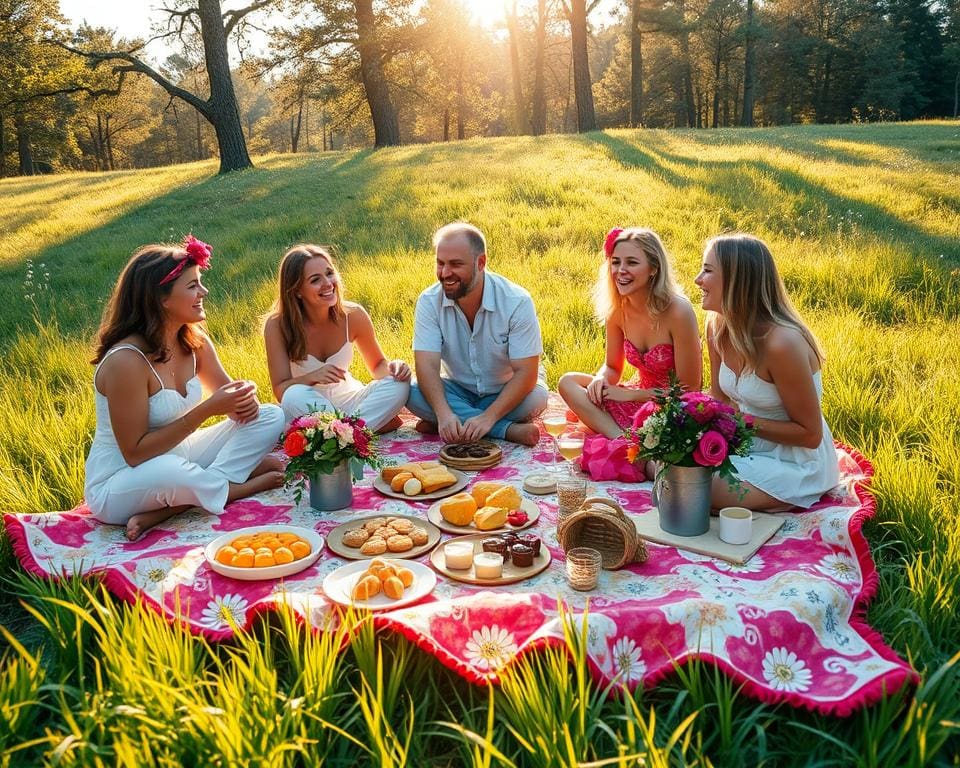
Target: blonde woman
{"points": [[767, 363], [309, 336], [649, 323]]}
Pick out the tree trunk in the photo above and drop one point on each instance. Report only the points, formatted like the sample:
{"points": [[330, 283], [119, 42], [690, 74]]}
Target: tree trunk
{"points": [[386, 127], [295, 124], [3, 149], [520, 116], [23, 146], [746, 117], [693, 112], [582, 86], [107, 132], [956, 97], [636, 67], [461, 104], [223, 99], [538, 122], [716, 82], [446, 123]]}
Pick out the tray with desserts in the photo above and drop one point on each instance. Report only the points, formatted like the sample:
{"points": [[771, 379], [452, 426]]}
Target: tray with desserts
{"points": [[488, 506], [379, 584], [471, 457], [397, 536], [491, 560], [419, 481]]}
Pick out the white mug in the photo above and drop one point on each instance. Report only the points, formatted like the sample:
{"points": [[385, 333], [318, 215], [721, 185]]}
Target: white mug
{"points": [[736, 525]]}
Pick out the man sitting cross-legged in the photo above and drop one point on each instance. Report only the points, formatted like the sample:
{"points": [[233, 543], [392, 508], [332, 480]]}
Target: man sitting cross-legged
{"points": [[482, 330]]}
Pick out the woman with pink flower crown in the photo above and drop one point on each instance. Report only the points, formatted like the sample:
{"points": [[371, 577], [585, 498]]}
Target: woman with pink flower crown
{"points": [[765, 362], [150, 458], [649, 323]]}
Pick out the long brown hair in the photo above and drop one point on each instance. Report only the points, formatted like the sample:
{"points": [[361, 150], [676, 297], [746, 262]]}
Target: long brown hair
{"points": [[136, 305], [753, 294], [288, 308], [607, 301]]}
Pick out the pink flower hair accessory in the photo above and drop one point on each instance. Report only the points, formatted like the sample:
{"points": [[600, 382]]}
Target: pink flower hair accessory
{"points": [[198, 252], [611, 240]]}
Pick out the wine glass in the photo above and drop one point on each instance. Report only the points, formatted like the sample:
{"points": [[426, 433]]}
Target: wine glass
{"points": [[570, 446], [555, 425]]}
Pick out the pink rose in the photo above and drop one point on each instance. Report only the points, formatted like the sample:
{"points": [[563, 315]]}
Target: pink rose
{"points": [[643, 413], [726, 426], [700, 406], [711, 451]]}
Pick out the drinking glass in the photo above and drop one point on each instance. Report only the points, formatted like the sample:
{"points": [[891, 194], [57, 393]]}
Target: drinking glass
{"points": [[555, 425], [583, 565], [570, 446]]}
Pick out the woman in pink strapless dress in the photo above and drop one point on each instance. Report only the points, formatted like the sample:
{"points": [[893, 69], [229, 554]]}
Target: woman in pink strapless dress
{"points": [[649, 323]]}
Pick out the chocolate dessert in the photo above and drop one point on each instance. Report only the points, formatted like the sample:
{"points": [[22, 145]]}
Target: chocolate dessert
{"points": [[529, 540], [498, 545], [522, 555]]}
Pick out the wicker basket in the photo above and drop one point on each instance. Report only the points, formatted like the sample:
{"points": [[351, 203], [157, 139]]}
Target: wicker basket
{"points": [[601, 524]]}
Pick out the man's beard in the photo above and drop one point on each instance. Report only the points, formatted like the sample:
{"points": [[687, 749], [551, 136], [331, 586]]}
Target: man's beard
{"points": [[461, 289]]}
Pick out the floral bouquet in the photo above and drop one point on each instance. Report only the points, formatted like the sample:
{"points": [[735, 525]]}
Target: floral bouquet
{"points": [[319, 442], [689, 429]]}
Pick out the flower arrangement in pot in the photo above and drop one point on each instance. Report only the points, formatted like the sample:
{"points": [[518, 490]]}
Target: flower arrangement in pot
{"points": [[322, 445], [691, 435]]}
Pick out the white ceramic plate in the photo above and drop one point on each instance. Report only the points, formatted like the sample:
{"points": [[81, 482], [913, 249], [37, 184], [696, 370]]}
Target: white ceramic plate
{"points": [[434, 516], [340, 583], [384, 487], [270, 572]]}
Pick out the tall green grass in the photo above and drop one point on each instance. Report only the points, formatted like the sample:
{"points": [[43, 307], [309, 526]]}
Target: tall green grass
{"points": [[864, 222]]}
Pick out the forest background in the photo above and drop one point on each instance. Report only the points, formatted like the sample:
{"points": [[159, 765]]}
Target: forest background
{"points": [[339, 74]]}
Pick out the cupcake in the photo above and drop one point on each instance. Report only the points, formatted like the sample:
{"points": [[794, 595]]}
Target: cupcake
{"points": [[497, 545], [522, 555], [529, 540]]}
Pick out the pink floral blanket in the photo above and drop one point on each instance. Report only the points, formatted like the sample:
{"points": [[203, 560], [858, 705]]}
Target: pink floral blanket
{"points": [[788, 625]]}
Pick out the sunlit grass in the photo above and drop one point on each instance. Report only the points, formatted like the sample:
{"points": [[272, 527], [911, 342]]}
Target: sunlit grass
{"points": [[864, 222]]}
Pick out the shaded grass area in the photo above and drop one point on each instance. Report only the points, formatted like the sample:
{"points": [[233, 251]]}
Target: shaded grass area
{"points": [[864, 223]]}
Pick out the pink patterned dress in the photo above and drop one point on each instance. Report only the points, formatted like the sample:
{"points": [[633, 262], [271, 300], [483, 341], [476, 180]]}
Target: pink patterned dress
{"points": [[653, 371]]}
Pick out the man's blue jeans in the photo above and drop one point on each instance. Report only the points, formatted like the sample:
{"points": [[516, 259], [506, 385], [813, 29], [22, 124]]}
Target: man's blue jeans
{"points": [[466, 404]]}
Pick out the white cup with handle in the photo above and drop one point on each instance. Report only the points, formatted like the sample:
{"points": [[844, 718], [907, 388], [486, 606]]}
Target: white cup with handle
{"points": [[736, 525]]}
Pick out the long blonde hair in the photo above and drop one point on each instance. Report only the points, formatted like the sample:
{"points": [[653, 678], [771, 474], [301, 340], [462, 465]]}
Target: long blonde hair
{"points": [[663, 289], [753, 294], [288, 308]]}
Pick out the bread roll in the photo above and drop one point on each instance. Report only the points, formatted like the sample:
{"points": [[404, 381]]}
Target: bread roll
{"points": [[483, 489], [396, 485], [459, 509], [367, 587], [488, 518], [506, 497], [412, 487]]}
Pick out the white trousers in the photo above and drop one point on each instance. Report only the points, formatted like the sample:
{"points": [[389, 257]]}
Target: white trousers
{"points": [[376, 403], [196, 472]]}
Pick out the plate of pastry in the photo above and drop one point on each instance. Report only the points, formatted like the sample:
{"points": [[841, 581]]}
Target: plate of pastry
{"points": [[471, 457], [488, 506], [380, 584], [264, 551], [419, 481], [491, 560], [396, 536]]}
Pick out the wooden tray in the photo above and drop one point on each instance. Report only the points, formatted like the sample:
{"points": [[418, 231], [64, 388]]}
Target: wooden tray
{"points": [[434, 516], [472, 463], [384, 487], [511, 574], [335, 539]]}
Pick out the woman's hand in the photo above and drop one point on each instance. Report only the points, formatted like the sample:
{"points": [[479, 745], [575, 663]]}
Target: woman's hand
{"points": [[597, 390], [325, 374], [399, 370], [620, 394], [234, 397]]}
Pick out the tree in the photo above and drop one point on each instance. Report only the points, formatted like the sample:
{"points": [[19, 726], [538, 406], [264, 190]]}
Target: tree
{"points": [[577, 12], [746, 116], [220, 108], [513, 27], [538, 117]]}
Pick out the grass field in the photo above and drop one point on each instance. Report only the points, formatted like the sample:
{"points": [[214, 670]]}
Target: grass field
{"points": [[865, 224]]}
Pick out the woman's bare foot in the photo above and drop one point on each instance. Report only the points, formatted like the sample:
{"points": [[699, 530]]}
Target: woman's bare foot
{"points": [[268, 480], [426, 427], [395, 423], [271, 463], [142, 522], [523, 433]]}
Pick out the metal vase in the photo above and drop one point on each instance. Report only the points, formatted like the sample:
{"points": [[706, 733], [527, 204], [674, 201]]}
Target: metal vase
{"points": [[334, 490], [683, 498]]}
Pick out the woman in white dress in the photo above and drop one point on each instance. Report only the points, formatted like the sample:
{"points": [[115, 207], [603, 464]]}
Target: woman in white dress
{"points": [[310, 333], [766, 362], [150, 458]]}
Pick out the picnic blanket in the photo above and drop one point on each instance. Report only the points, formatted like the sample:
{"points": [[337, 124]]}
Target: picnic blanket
{"points": [[788, 624]]}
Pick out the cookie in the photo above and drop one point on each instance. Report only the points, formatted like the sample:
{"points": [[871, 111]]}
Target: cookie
{"points": [[355, 537], [385, 531], [401, 526], [375, 545], [375, 522], [399, 543], [419, 536]]}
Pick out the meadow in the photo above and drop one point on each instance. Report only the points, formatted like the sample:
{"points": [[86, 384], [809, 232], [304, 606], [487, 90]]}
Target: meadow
{"points": [[865, 224]]}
